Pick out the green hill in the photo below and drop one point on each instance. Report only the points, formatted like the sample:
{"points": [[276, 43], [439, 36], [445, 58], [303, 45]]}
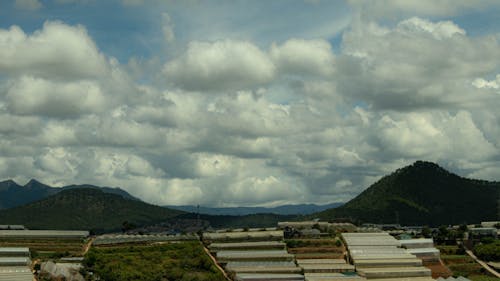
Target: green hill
{"points": [[85, 208], [422, 194], [14, 195]]}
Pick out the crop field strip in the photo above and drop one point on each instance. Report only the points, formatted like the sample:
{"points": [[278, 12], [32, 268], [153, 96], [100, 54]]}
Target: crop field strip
{"points": [[179, 260], [462, 264], [46, 246]]}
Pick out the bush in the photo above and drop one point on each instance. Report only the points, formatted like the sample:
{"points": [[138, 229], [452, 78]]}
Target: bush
{"points": [[489, 251], [176, 261], [338, 243]]}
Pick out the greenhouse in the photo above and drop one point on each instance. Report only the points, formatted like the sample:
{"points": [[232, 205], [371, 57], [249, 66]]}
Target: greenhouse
{"points": [[360, 263], [14, 261], [263, 267], [214, 247], [254, 255], [14, 252], [275, 235], [16, 273], [417, 243], [43, 234], [332, 276], [268, 277], [394, 272]]}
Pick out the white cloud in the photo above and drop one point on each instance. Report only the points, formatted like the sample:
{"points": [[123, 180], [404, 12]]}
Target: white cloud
{"points": [[57, 161], [481, 83], [57, 51], [292, 121], [167, 27], [440, 30], [304, 57], [435, 136], [31, 5], [416, 64], [221, 65], [32, 96]]}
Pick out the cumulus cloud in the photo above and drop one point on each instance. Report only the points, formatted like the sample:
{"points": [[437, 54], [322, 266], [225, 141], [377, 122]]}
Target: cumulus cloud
{"points": [[435, 136], [220, 65], [416, 64], [245, 122], [481, 83], [56, 51], [35, 96], [303, 57]]}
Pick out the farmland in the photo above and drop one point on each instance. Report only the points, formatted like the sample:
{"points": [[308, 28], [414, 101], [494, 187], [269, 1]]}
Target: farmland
{"points": [[462, 265], [47, 248], [165, 261], [325, 248]]}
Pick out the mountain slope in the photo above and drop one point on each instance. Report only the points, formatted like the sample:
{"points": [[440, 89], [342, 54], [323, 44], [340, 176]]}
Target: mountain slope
{"points": [[85, 208], [299, 209], [422, 194], [13, 194]]}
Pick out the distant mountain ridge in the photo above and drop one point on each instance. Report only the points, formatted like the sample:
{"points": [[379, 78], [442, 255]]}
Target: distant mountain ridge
{"points": [[422, 194], [13, 194], [86, 208], [291, 209]]}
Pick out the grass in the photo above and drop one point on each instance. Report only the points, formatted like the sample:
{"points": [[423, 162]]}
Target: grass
{"points": [[183, 261], [463, 265]]}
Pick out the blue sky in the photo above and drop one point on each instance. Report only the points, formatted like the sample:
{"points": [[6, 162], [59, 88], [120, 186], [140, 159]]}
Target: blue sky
{"points": [[245, 103]]}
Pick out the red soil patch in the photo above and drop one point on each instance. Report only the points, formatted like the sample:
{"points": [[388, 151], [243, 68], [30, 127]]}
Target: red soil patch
{"points": [[439, 270]]}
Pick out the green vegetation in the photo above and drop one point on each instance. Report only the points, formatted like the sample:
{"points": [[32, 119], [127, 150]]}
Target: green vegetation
{"points": [[463, 265], [85, 208], [488, 251], [174, 261], [14, 195], [422, 194]]}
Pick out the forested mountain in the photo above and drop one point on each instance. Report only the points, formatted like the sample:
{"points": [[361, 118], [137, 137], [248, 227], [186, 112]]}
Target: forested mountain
{"points": [[86, 209], [13, 194], [422, 194]]}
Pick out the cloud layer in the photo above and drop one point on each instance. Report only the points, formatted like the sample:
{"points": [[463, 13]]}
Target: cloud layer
{"points": [[239, 120]]}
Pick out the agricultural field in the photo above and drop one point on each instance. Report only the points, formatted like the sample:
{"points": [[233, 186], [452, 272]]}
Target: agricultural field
{"points": [[463, 265], [323, 248], [48, 248], [152, 262]]}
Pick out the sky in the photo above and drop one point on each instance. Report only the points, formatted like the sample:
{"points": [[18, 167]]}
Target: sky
{"points": [[246, 102]]}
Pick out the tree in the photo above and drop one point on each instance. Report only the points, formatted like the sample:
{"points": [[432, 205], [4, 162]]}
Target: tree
{"points": [[126, 226], [426, 232]]}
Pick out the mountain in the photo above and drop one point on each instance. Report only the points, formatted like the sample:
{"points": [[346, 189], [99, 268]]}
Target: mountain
{"points": [[422, 194], [251, 221], [13, 194], [300, 209], [85, 208]]}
